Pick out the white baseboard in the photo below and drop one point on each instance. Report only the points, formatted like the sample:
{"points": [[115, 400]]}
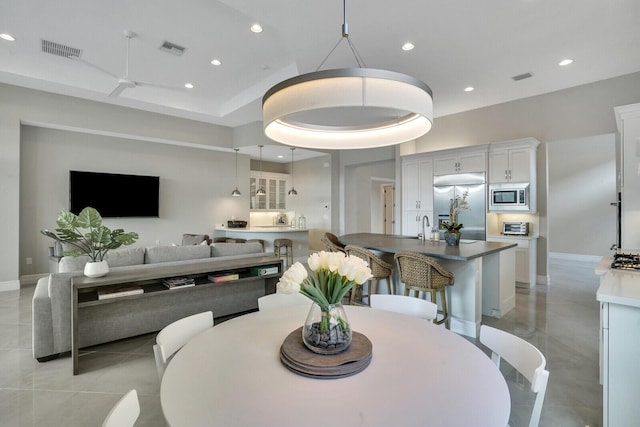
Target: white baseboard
{"points": [[543, 280], [11, 285], [574, 257], [31, 279]]}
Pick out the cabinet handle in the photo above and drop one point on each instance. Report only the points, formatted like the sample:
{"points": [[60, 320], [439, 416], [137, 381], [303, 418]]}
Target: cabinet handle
{"points": [[506, 174]]}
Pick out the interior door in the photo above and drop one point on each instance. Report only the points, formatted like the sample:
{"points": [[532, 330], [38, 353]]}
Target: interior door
{"points": [[387, 217]]}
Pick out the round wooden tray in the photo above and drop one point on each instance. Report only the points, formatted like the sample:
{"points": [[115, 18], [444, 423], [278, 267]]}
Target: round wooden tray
{"points": [[299, 359]]}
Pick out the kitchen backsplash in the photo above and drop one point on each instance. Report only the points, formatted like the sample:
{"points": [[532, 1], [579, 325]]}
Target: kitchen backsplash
{"points": [[270, 218]]}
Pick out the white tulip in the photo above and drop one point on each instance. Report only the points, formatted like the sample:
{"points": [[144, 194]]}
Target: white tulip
{"points": [[296, 272]]}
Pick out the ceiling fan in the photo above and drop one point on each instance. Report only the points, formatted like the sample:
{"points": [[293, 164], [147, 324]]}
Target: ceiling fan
{"points": [[124, 82]]}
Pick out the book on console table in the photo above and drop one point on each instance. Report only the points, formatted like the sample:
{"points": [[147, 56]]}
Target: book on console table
{"points": [[224, 277], [178, 282], [119, 292]]}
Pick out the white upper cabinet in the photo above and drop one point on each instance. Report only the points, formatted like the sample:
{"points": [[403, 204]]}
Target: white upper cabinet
{"points": [[460, 162], [275, 185], [512, 161], [417, 193]]}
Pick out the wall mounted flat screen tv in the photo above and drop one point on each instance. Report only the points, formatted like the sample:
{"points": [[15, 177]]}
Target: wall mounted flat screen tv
{"points": [[114, 195]]}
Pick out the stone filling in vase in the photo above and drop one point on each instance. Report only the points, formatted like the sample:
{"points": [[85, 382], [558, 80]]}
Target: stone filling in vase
{"points": [[452, 239], [96, 269], [327, 332]]}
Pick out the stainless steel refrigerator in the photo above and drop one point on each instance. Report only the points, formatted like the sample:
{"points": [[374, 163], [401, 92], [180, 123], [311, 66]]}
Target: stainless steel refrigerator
{"points": [[446, 187]]}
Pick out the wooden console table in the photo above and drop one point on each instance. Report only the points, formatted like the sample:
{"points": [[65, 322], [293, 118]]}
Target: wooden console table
{"points": [[84, 290]]}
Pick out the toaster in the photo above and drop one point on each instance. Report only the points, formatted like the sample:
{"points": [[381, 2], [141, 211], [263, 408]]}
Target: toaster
{"points": [[515, 228]]}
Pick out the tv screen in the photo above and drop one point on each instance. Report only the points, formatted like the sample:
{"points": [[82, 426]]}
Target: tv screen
{"points": [[114, 195]]}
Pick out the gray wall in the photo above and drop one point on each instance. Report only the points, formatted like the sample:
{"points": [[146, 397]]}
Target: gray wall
{"points": [[195, 186], [312, 180], [19, 106], [582, 183], [360, 198]]}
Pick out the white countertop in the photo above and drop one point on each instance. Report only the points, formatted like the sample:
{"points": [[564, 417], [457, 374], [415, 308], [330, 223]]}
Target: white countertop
{"points": [[617, 286], [512, 237], [266, 229]]}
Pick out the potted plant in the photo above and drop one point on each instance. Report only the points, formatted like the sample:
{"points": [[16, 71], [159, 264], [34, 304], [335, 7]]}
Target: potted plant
{"points": [[452, 232], [95, 241]]}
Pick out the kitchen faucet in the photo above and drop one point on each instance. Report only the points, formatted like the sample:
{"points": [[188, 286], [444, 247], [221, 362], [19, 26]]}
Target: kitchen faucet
{"points": [[424, 228]]}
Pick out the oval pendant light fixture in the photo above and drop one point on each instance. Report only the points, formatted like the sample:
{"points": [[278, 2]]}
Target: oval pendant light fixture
{"points": [[236, 192], [347, 108], [293, 191]]}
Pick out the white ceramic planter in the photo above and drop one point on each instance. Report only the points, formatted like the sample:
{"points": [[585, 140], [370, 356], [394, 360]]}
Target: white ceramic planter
{"points": [[96, 269]]}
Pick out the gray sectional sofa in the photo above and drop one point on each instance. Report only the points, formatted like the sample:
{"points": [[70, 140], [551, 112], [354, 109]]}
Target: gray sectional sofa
{"points": [[108, 322]]}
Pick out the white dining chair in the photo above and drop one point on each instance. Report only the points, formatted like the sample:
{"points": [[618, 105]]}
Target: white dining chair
{"points": [[125, 412], [411, 306], [524, 357], [278, 300], [175, 335]]}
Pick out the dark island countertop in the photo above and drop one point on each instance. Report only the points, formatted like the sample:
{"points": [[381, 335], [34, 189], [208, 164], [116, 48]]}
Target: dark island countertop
{"points": [[468, 249]]}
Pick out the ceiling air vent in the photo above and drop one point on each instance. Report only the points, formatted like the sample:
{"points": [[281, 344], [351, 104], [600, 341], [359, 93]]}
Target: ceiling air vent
{"points": [[522, 77], [60, 49], [173, 48]]}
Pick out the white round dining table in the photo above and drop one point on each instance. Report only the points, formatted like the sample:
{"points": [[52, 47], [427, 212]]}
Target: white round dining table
{"points": [[420, 374]]}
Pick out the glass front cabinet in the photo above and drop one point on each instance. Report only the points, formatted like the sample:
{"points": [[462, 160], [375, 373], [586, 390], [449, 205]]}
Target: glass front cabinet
{"points": [[275, 185]]}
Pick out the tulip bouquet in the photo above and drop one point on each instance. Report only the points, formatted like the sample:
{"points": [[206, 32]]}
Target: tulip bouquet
{"points": [[333, 274]]}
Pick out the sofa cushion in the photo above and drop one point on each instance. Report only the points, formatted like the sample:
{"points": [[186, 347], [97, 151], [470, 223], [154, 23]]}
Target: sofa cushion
{"points": [[115, 258], [227, 249], [125, 256], [156, 254], [72, 263], [194, 239]]}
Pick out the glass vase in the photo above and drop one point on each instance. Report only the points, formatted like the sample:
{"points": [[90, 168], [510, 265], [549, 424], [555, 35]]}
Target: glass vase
{"points": [[326, 332]]}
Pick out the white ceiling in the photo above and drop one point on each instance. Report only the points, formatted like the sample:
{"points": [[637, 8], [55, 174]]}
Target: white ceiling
{"points": [[458, 43]]}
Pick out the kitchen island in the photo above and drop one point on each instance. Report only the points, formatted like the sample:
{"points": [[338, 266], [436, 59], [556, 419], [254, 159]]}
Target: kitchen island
{"points": [[484, 274], [268, 234]]}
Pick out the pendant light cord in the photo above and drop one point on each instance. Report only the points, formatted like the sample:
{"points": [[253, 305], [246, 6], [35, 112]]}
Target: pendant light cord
{"points": [[345, 35], [292, 167], [236, 167]]}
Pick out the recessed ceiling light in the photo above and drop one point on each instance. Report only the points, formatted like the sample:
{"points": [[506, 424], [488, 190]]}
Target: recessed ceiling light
{"points": [[7, 37], [280, 156], [256, 28], [565, 62], [469, 89], [408, 46], [188, 85], [216, 62]]}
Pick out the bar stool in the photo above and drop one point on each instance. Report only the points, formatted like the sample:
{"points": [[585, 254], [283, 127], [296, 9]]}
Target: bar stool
{"points": [[379, 270], [283, 248], [331, 243], [421, 273]]}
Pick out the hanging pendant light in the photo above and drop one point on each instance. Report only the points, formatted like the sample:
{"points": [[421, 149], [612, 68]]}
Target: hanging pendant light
{"points": [[293, 191], [347, 108], [261, 191], [236, 192]]}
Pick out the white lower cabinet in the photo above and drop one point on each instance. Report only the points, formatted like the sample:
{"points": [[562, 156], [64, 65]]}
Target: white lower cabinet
{"points": [[526, 257], [620, 364]]}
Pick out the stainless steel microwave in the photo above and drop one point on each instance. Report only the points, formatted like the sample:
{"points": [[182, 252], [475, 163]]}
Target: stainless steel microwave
{"points": [[509, 197]]}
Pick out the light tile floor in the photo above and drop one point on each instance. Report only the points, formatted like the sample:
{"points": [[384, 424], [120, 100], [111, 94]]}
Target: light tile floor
{"points": [[561, 320]]}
